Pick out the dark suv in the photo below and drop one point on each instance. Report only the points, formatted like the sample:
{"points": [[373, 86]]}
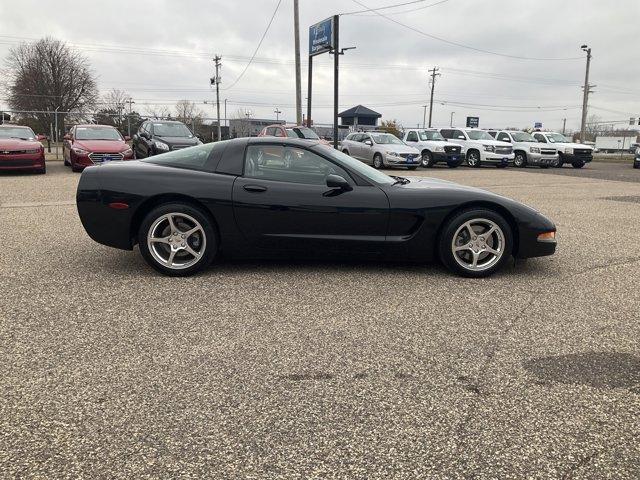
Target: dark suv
{"points": [[160, 136]]}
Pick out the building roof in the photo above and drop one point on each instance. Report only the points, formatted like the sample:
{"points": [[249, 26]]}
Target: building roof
{"points": [[360, 111]]}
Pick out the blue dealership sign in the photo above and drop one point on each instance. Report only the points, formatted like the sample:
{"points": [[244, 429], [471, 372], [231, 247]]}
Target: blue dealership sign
{"points": [[321, 37]]}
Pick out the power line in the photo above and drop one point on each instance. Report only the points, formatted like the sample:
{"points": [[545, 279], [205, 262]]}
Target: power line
{"points": [[440, 39], [402, 12], [255, 52], [393, 6]]}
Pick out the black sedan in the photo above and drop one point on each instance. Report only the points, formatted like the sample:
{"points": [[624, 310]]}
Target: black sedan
{"points": [[268, 197]]}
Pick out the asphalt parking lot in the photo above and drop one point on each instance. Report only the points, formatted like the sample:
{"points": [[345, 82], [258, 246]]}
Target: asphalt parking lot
{"points": [[315, 370]]}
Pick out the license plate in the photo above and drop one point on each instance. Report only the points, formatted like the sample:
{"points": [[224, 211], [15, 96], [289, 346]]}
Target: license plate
{"points": [[410, 159]]}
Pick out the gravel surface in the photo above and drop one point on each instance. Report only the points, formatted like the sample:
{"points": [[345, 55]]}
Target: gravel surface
{"points": [[316, 370]]}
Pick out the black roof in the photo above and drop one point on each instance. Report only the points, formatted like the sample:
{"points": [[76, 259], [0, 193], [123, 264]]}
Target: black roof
{"points": [[360, 111]]}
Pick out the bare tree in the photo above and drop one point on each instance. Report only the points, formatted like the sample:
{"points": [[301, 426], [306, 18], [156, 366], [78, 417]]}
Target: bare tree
{"points": [[158, 112], [240, 124], [46, 76], [188, 112], [114, 109]]}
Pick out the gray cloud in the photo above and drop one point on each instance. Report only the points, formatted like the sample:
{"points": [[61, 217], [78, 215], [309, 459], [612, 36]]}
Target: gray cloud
{"points": [[371, 73]]}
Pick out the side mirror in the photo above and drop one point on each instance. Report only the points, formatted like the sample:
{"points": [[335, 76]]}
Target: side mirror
{"points": [[40, 137], [127, 138], [336, 181], [368, 142], [67, 137]]}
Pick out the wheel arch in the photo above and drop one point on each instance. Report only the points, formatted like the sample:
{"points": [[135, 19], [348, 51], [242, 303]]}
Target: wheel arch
{"points": [[161, 199], [488, 205]]}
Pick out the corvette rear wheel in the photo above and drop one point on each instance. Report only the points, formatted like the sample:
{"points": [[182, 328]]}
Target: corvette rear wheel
{"points": [[475, 243], [177, 239]]}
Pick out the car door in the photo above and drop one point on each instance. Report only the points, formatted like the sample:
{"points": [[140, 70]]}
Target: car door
{"points": [[367, 149], [287, 205], [66, 146], [354, 146]]}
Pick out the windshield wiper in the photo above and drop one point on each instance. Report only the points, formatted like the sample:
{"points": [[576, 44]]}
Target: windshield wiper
{"points": [[399, 180]]}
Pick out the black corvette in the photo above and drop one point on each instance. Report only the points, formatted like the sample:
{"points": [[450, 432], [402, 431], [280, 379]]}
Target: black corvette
{"points": [[268, 197]]}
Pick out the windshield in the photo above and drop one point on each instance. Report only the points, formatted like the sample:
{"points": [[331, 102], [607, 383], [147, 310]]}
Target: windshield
{"points": [[23, 133], [357, 166], [557, 138], [97, 133], [479, 135], [171, 130], [430, 135], [523, 137], [386, 139], [302, 132]]}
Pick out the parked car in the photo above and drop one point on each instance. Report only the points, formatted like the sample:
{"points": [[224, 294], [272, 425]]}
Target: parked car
{"points": [[433, 147], [526, 149], [479, 147], [185, 208], [291, 131], [577, 154], [20, 149], [381, 149], [161, 136], [87, 145], [636, 160]]}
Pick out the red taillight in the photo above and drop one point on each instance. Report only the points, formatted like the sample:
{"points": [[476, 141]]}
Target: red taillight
{"points": [[119, 205]]}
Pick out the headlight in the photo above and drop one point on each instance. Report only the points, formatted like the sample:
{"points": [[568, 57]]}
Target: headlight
{"points": [[393, 154], [568, 150], [534, 149], [489, 148], [126, 152], [161, 145], [79, 151], [439, 149]]}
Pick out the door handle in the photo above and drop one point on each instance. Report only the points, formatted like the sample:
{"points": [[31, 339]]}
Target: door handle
{"points": [[255, 188]]}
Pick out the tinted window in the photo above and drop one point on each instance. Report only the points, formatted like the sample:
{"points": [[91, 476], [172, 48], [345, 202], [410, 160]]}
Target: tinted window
{"points": [[458, 134], [270, 131], [171, 130], [412, 137], [194, 158], [503, 137], [479, 135], [303, 132], [540, 137], [446, 133], [289, 164]]}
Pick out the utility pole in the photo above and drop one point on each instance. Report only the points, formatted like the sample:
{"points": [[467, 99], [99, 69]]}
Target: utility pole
{"points": [[434, 74], [424, 116], [130, 102], [296, 35], [217, 81], [451, 121], [336, 83], [585, 97], [564, 125]]}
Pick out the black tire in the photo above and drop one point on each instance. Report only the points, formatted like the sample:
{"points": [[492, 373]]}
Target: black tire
{"points": [[636, 165], [75, 169], [208, 236], [66, 163], [427, 159], [473, 159], [41, 171], [578, 164], [520, 160], [559, 163], [378, 163], [449, 229]]}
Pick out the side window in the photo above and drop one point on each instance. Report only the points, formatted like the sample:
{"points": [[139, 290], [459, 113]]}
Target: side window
{"points": [[366, 137], [412, 136], [459, 135], [194, 158], [357, 137], [540, 138], [493, 134], [503, 137], [287, 164], [278, 132], [446, 133]]}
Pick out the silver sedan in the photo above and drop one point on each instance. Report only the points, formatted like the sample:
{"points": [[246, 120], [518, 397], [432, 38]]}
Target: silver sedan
{"points": [[380, 150]]}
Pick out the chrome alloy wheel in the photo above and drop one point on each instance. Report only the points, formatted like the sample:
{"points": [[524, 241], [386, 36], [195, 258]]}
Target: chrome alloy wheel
{"points": [[176, 240], [478, 244]]}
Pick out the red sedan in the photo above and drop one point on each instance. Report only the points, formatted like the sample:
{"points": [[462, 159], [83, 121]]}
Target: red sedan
{"points": [[87, 145], [291, 131], [20, 149]]}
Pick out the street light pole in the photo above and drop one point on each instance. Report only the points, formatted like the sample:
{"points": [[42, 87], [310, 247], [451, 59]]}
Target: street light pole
{"points": [[296, 36], [451, 121], [277, 111], [424, 116]]}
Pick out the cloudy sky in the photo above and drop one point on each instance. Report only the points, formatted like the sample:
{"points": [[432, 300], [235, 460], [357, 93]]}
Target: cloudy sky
{"points": [[160, 52]]}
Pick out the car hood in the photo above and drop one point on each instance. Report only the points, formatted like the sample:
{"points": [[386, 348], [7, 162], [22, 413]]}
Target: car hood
{"points": [[439, 143], [495, 143], [571, 145], [398, 148], [18, 144], [102, 146], [177, 140]]}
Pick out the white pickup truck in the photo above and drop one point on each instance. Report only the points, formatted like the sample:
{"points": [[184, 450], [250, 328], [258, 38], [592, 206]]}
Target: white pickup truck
{"points": [[433, 147], [577, 154], [527, 150], [479, 147]]}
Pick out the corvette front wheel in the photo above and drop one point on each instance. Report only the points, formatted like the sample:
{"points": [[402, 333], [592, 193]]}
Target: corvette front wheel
{"points": [[475, 243]]}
